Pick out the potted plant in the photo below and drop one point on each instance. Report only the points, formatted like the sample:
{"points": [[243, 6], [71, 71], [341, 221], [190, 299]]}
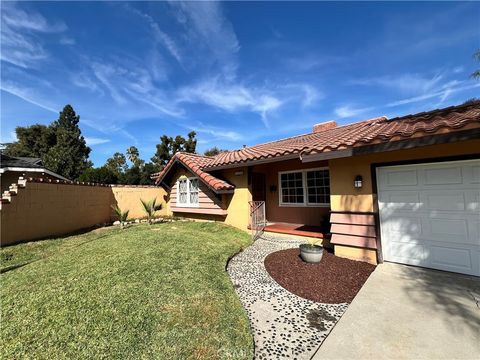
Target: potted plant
{"points": [[311, 252]]}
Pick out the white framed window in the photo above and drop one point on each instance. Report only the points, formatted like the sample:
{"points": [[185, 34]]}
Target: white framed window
{"points": [[310, 187], [187, 192]]}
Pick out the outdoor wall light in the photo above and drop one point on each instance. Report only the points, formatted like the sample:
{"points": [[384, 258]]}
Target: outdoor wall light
{"points": [[239, 173], [358, 183], [273, 188]]}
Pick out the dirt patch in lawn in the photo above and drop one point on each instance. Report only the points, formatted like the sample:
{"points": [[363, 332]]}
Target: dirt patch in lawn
{"points": [[334, 280]]}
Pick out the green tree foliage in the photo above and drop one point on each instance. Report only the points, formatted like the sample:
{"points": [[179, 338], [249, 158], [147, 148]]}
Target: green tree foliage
{"points": [[169, 146], [33, 141], [69, 156], [213, 151], [117, 164], [133, 156], [60, 145], [101, 175]]}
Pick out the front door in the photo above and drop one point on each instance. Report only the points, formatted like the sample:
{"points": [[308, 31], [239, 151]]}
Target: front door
{"points": [[258, 187]]}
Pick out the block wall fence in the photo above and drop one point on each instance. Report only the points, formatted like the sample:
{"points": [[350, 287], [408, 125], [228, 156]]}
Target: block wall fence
{"points": [[36, 208]]}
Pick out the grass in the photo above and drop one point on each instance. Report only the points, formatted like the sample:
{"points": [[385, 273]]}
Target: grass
{"points": [[158, 291]]}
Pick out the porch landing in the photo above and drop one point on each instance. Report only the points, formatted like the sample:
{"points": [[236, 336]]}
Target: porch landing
{"points": [[297, 229]]}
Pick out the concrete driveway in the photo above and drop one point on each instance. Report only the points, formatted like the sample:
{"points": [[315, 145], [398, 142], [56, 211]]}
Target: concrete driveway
{"points": [[405, 312]]}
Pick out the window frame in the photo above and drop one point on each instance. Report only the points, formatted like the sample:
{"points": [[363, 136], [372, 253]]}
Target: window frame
{"points": [[188, 203], [305, 188]]}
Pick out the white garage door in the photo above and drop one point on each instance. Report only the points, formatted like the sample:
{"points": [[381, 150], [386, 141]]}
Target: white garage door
{"points": [[430, 215]]}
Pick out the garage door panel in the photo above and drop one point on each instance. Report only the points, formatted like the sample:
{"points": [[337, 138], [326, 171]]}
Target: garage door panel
{"points": [[408, 253], [430, 215], [440, 200], [401, 178], [454, 230], [403, 228], [474, 173], [443, 175], [451, 257]]}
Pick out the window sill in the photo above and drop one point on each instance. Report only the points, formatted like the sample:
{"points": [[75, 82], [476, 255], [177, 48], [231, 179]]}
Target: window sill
{"points": [[196, 210], [305, 205]]}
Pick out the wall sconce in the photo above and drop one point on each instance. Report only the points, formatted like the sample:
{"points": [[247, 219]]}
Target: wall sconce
{"points": [[358, 183], [238, 173], [273, 188]]}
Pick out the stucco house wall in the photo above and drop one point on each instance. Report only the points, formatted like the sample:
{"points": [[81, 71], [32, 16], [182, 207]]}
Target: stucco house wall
{"points": [[308, 215], [346, 198]]}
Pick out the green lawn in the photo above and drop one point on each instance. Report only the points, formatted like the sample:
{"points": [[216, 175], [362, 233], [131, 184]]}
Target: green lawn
{"points": [[157, 291]]}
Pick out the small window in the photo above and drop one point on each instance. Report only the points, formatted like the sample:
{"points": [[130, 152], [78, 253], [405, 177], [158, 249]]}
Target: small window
{"points": [[305, 187], [187, 192], [292, 188], [318, 187]]}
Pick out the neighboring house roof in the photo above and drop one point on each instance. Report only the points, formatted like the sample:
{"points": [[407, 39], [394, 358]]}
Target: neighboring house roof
{"points": [[25, 164], [367, 132], [195, 163]]}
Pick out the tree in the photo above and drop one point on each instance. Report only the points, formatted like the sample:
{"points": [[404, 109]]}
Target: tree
{"points": [[101, 175], [133, 156], [476, 73], [117, 164], [69, 155], [169, 147], [213, 151], [33, 141]]}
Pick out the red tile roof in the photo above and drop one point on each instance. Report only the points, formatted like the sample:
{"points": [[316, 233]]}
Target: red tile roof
{"points": [[195, 163], [358, 134], [372, 131]]}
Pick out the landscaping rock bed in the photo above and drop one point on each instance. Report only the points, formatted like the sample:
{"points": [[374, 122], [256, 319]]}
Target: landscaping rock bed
{"points": [[334, 280]]}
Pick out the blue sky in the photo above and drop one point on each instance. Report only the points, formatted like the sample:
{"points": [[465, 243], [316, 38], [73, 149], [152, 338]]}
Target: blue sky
{"points": [[237, 73]]}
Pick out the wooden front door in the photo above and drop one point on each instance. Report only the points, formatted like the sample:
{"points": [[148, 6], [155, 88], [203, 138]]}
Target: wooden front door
{"points": [[258, 187]]}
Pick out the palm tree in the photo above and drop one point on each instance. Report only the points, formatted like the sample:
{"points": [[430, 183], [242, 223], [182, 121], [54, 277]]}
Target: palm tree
{"points": [[476, 73], [121, 215], [151, 207]]}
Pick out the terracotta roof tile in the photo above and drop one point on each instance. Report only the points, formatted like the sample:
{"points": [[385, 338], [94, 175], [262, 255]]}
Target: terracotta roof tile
{"points": [[195, 163], [362, 133]]}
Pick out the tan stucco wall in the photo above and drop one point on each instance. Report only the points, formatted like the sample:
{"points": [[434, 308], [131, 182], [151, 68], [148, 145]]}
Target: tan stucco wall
{"points": [[238, 207], [42, 210], [344, 197], [128, 198], [10, 177], [292, 214]]}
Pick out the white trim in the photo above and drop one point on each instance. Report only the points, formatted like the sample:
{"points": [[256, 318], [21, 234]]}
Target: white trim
{"points": [[305, 189], [46, 171], [188, 204]]}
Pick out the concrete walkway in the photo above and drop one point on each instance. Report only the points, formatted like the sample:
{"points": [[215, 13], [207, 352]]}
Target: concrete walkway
{"points": [[405, 312], [283, 324]]}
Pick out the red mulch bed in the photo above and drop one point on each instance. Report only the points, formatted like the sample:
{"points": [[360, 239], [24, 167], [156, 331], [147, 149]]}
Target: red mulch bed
{"points": [[334, 280]]}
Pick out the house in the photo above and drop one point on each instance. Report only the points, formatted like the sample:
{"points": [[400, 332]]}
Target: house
{"points": [[12, 167], [405, 190]]}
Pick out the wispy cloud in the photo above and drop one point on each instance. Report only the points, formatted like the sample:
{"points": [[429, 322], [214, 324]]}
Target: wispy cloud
{"points": [[405, 83], [208, 31], [26, 95], [441, 93], [230, 97], [215, 132], [20, 45], [92, 141], [347, 111]]}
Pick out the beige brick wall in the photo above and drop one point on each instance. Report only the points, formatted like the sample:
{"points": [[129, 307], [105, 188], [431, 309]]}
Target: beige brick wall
{"points": [[41, 210]]}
